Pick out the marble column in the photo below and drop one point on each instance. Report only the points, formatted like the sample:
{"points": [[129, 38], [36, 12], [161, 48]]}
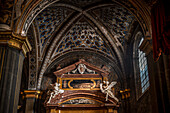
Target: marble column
{"points": [[159, 79], [13, 50]]}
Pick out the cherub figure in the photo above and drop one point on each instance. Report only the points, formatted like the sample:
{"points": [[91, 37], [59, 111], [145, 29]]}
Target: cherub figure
{"points": [[56, 91], [107, 89]]}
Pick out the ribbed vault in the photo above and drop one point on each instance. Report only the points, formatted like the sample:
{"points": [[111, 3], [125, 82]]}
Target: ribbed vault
{"points": [[91, 27]]}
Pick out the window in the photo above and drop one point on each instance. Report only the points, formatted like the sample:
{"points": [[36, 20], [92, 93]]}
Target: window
{"points": [[143, 69]]}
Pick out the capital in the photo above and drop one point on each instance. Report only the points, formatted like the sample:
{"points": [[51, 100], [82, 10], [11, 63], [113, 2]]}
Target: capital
{"points": [[10, 39], [31, 94]]}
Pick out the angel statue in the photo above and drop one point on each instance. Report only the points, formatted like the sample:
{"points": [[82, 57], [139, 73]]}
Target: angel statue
{"points": [[56, 91], [107, 89]]}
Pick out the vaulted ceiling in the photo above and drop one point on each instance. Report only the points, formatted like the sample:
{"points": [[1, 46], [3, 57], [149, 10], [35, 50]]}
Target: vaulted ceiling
{"points": [[101, 27]]}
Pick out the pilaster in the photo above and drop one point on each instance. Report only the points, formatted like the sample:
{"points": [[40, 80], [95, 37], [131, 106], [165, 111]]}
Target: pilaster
{"points": [[31, 97]]}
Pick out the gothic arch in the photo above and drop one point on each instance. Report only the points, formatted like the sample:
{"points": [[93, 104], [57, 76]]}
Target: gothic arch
{"points": [[58, 37], [25, 23]]}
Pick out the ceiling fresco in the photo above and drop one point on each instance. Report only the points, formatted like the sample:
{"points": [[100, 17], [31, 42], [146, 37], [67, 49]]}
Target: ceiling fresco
{"points": [[82, 35], [117, 20], [48, 21]]}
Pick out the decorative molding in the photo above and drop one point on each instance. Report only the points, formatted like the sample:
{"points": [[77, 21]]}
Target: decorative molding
{"points": [[81, 101], [61, 72], [31, 94], [80, 83], [34, 12], [16, 41], [32, 56]]}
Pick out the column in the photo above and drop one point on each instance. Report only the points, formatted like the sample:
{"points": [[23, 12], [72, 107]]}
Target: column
{"points": [[13, 49], [31, 97]]}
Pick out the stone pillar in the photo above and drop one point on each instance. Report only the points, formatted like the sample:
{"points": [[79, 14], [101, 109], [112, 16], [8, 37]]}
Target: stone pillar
{"points": [[13, 50], [159, 79], [31, 97]]}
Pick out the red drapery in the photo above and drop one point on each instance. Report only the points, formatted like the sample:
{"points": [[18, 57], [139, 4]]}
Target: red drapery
{"points": [[160, 20]]}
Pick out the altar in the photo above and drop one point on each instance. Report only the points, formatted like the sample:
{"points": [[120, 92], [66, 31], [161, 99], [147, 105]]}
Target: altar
{"points": [[81, 88]]}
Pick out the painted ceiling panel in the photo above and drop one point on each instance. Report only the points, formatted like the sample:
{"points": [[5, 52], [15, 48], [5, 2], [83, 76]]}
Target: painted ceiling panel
{"points": [[48, 20], [82, 35], [117, 19]]}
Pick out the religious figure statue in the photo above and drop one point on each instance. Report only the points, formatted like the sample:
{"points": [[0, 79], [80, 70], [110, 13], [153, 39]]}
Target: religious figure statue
{"points": [[82, 68], [106, 89], [56, 90]]}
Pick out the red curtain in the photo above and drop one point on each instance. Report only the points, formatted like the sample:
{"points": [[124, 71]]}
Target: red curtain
{"points": [[160, 20]]}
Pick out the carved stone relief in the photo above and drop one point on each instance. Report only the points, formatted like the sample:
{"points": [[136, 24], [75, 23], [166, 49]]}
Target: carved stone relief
{"points": [[54, 92], [107, 89], [81, 101], [82, 69]]}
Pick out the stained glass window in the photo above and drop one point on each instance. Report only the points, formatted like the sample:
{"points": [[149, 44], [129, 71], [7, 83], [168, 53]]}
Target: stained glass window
{"points": [[143, 69]]}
